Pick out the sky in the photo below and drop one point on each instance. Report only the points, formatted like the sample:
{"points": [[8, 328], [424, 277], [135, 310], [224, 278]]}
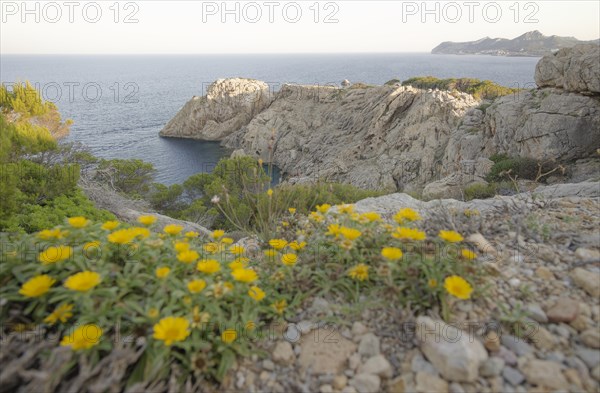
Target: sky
{"points": [[207, 27]]}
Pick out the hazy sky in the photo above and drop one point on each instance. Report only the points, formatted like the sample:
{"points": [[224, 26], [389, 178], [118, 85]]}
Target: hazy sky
{"points": [[280, 26]]}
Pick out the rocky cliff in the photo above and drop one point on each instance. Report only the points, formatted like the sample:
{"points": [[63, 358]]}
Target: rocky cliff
{"points": [[400, 137]]}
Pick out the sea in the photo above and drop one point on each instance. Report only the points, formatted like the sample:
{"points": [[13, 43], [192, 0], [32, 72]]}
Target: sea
{"points": [[120, 103]]}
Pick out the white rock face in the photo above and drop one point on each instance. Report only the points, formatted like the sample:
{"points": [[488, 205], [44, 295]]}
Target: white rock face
{"points": [[228, 105], [454, 353], [384, 136], [573, 69]]}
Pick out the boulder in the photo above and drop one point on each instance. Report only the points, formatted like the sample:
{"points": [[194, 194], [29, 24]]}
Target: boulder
{"points": [[573, 69], [229, 104], [454, 353]]}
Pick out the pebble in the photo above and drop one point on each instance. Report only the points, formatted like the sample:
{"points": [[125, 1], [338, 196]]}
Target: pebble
{"points": [[305, 326], [595, 373], [512, 376], [543, 339], [354, 361], [564, 310], [283, 353], [514, 282], [349, 389], [491, 367], [268, 365], [544, 273], [591, 338], [587, 280], [339, 382], [517, 345], [591, 357], [369, 345], [580, 323], [292, 333], [426, 383], [508, 356], [377, 365], [420, 364], [358, 329], [545, 373], [455, 387], [536, 313], [366, 383], [492, 341], [326, 389], [586, 254]]}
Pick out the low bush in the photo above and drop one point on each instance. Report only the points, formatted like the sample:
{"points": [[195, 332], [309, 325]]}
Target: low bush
{"points": [[480, 191], [477, 88]]}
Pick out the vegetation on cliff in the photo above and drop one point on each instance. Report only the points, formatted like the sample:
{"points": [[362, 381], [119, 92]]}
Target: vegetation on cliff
{"points": [[481, 90]]}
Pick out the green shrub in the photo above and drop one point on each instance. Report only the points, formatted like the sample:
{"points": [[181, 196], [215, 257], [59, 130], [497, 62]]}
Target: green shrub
{"points": [[480, 191], [133, 177], [477, 88], [515, 167]]}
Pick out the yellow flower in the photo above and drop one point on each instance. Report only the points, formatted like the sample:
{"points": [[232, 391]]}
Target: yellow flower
{"points": [[171, 329], [278, 244], [208, 266], [350, 233], [406, 214], [244, 275], [37, 286], [227, 240], [468, 254], [289, 259], [270, 193], [181, 246], [359, 272], [84, 337], [146, 220], [110, 225], [238, 263], [142, 233], [228, 336], [297, 246], [48, 234], [153, 313], [188, 256], [292, 210], [432, 283], [391, 253], [218, 234], [404, 233], [270, 253], [279, 306], [256, 293], [55, 254], [196, 286], [173, 229], [162, 272], [121, 236], [78, 222], [61, 313], [260, 162], [324, 208], [250, 325], [199, 318], [333, 230], [83, 281], [458, 287], [370, 216], [316, 217], [236, 249], [451, 236], [347, 244], [211, 248], [192, 234], [91, 245], [187, 300], [345, 208]]}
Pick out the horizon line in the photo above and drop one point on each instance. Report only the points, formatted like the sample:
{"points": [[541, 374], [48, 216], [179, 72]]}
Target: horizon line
{"points": [[210, 54]]}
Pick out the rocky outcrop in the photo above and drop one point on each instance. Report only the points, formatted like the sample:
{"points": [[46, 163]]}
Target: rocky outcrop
{"points": [[574, 69], [384, 136], [403, 138], [229, 104]]}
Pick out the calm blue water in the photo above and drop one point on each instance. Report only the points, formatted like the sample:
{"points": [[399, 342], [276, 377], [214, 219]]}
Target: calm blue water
{"points": [[120, 103]]}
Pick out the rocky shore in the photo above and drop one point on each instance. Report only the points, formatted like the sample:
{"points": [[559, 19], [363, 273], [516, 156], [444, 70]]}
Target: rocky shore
{"points": [[401, 138]]}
